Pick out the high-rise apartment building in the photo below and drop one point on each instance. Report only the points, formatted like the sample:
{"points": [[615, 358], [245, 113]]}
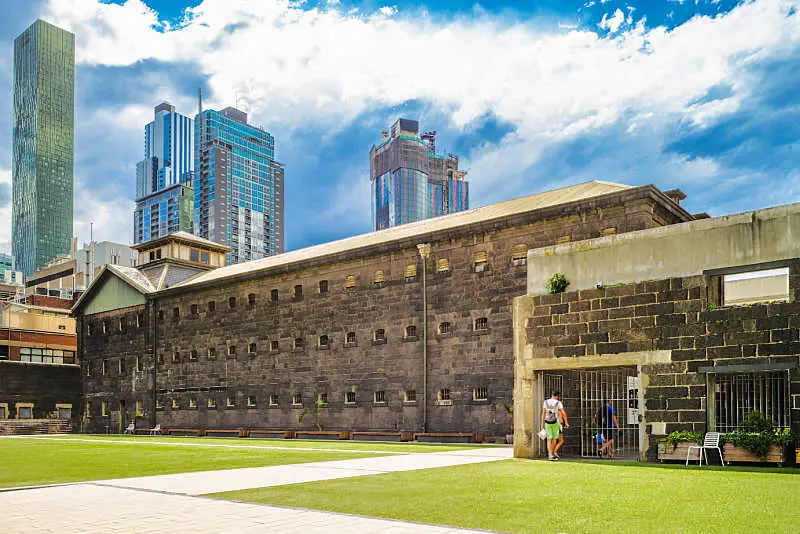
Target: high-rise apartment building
{"points": [[410, 181], [164, 192], [43, 145], [238, 186]]}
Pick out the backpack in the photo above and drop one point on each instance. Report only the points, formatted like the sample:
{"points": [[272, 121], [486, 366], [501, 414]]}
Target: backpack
{"points": [[551, 411]]}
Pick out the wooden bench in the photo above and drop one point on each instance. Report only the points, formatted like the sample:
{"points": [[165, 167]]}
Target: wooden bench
{"points": [[382, 436], [194, 432], [444, 437], [308, 434], [226, 433], [272, 434]]}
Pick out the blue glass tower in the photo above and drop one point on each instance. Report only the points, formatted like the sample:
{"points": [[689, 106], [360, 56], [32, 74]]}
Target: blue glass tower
{"points": [[163, 178], [410, 182], [238, 187]]}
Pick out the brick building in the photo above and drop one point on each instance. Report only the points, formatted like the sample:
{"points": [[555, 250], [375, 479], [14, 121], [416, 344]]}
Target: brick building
{"points": [[39, 371], [687, 327], [341, 325]]}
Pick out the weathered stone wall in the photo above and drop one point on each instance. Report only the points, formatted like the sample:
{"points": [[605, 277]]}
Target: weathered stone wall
{"points": [[43, 385], [459, 361], [119, 387], [667, 315]]}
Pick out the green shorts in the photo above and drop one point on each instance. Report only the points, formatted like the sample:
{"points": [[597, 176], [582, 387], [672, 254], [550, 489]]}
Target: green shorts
{"points": [[552, 429]]}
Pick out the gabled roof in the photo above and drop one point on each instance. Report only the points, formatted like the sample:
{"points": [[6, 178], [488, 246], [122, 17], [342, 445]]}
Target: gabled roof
{"points": [[133, 277], [420, 229]]}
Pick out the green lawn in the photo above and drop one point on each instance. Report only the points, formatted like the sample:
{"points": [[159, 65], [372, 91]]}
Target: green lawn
{"points": [[538, 496], [33, 461]]}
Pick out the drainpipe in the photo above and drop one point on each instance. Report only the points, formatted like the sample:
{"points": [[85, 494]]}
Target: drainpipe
{"points": [[424, 252]]}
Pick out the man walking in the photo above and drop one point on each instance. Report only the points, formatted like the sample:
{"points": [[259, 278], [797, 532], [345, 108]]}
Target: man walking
{"points": [[609, 427], [552, 413]]}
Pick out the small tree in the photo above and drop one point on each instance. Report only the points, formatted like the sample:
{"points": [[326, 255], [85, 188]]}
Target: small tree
{"points": [[318, 404]]}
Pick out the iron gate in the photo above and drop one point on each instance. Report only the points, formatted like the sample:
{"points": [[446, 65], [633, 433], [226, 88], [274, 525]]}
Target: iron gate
{"points": [[621, 387]]}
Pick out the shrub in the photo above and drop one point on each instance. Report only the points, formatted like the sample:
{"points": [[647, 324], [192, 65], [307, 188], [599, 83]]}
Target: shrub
{"points": [[557, 283], [756, 433], [683, 436]]}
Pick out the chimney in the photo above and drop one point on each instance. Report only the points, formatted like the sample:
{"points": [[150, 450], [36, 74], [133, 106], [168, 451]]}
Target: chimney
{"points": [[676, 195]]}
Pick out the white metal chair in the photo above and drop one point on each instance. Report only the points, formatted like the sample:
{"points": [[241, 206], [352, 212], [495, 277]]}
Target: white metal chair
{"points": [[130, 429], [156, 430], [711, 441]]}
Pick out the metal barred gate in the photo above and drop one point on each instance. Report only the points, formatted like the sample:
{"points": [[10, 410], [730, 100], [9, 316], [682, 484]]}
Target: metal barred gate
{"points": [[584, 393], [620, 386]]}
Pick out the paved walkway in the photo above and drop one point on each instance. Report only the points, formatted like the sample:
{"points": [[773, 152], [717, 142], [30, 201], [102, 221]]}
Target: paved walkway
{"points": [[169, 503]]}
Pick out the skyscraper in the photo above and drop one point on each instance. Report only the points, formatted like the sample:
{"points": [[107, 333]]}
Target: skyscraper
{"points": [[164, 195], [238, 188], [410, 181], [43, 145]]}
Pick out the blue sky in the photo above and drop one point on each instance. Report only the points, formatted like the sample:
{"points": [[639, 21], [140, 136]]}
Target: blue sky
{"points": [[701, 95]]}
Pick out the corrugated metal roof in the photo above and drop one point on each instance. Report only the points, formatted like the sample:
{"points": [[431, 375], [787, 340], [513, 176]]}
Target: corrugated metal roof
{"points": [[420, 228]]}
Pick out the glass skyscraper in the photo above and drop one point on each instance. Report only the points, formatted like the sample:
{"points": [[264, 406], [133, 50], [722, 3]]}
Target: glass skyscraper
{"points": [[164, 177], [410, 181], [238, 186], [43, 145]]}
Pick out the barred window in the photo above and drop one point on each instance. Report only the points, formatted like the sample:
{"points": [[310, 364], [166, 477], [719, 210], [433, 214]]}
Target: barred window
{"points": [[232, 302], [298, 343], [212, 402], [176, 357], [275, 345], [380, 397], [176, 313], [410, 395], [251, 299], [380, 335], [323, 341], [445, 328], [212, 353], [139, 364], [322, 398], [379, 279], [192, 403], [411, 331], [480, 260], [323, 287], [231, 350], [273, 400], [350, 397], [443, 394], [481, 323], [230, 402], [212, 306], [351, 338], [411, 273], [251, 401], [273, 295], [480, 394], [297, 399], [175, 404], [251, 348], [443, 265], [298, 291], [193, 356], [350, 281], [194, 309], [519, 254]]}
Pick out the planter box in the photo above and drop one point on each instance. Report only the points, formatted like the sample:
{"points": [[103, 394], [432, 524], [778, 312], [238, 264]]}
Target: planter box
{"points": [[382, 436], [329, 435], [447, 437], [775, 455], [272, 434], [677, 452]]}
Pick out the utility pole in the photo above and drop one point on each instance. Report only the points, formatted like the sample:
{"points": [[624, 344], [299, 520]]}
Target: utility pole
{"points": [[424, 252]]}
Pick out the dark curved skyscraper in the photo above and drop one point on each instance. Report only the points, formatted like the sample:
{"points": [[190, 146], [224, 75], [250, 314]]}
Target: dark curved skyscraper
{"points": [[43, 146]]}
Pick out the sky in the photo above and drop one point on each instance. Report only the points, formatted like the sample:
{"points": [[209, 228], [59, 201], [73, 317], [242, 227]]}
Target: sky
{"points": [[700, 95]]}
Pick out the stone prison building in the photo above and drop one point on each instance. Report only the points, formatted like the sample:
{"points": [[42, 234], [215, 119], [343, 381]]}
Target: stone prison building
{"points": [[408, 329]]}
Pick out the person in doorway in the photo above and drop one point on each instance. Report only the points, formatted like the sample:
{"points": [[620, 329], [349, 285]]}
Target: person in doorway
{"points": [[552, 414], [609, 427]]}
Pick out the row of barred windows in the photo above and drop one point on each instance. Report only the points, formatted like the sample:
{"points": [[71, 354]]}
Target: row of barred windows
{"points": [[350, 398]]}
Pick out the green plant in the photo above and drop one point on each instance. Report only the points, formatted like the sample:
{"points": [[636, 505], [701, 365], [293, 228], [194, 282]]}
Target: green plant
{"points": [[557, 283], [318, 404], [711, 306], [683, 436], [756, 433]]}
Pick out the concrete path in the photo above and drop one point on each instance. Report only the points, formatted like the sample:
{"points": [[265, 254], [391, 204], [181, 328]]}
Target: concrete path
{"points": [[169, 503], [89, 508], [260, 477]]}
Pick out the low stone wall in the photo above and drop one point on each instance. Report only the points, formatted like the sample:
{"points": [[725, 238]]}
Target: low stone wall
{"points": [[16, 427]]}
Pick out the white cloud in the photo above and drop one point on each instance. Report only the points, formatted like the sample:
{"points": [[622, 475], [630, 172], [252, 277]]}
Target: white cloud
{"points": [[296, 67]]}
